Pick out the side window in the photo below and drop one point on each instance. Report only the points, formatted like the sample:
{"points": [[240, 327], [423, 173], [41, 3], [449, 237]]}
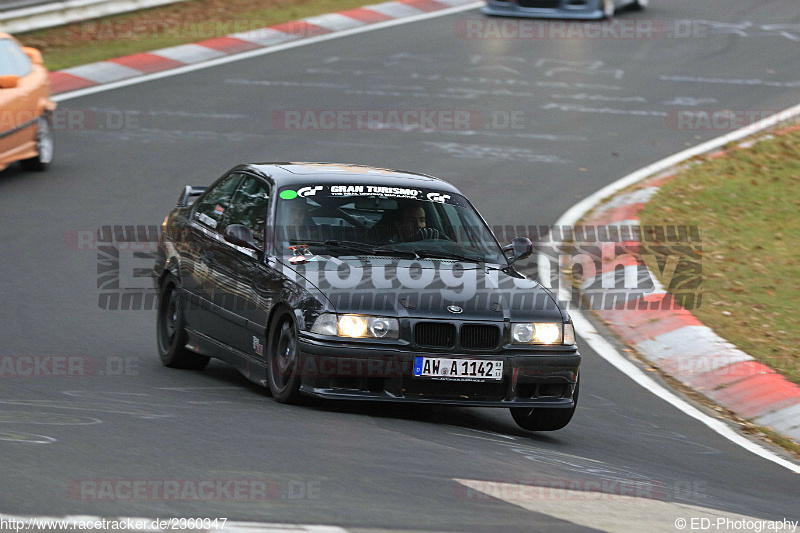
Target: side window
{"points": [[211, 207], [249, 206], [7, 63], [13, 60], [22, 60]]}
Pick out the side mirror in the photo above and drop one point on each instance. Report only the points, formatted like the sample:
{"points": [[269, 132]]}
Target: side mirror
{"points": [[9, 82], [521, 247], [240, 236], [34, 54]]}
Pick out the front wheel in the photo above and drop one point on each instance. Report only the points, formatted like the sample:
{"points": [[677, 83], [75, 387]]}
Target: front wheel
{"points": [[283, 361], [544, 419], [171, 333], [44, 147]]}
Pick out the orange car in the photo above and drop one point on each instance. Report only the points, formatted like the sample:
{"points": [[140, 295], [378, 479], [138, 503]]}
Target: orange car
{"points": [[25, 106]]}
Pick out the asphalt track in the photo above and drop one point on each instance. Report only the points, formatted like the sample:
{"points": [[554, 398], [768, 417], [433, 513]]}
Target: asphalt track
{"points": [[361, 466]]}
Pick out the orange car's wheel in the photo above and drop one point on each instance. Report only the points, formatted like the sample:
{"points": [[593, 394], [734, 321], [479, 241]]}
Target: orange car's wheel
{"points": [[44, 147]]}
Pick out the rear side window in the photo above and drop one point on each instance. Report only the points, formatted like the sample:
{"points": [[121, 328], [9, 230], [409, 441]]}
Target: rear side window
{"points": [[211, 207]]}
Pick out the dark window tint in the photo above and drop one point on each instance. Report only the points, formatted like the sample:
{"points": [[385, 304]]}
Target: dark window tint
{"points": [[249, 207], [211, 207]]}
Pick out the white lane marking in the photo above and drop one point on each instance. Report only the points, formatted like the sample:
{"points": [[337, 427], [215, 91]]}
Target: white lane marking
{"points": [[732, 81], [263, 51], [46, 419], [481, 151], [572, 108], [635, 509], [604, 348], [27, 438], [494, 434]]}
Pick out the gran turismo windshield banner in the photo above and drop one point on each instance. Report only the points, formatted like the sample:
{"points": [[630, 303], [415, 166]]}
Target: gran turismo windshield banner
{"points": [[362, 189]]}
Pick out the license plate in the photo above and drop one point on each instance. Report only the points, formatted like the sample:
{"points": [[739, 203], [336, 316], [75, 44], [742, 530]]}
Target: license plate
{"points": [[458, 369]]}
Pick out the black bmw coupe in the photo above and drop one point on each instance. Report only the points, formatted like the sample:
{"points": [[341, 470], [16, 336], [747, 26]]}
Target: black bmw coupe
{"points": [[359, 283]]}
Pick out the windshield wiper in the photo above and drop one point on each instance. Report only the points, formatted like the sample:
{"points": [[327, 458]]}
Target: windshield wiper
{"points": [[438, 254], [354, 246]]}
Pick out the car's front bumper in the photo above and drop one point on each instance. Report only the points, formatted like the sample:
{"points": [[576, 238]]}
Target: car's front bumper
{"points": [[591, 10], [385, 373]]}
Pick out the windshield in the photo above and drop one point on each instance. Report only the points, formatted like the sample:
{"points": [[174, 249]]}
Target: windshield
{"points": [[364, 219]]}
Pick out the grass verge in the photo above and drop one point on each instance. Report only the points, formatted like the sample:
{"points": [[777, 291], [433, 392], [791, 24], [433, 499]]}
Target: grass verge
{"points": [[747, 206], [171, 25]]}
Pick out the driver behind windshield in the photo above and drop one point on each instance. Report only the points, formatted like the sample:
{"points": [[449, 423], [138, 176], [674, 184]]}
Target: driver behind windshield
{"points": [[410, 224], [294, 223]]}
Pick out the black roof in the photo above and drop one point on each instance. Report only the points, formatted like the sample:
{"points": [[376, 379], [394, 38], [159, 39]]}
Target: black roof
{"points": [[295, 173]]}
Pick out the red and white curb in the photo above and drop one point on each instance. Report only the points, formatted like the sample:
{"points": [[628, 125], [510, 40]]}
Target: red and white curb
{"points": [[672, 338], [132, 66]]}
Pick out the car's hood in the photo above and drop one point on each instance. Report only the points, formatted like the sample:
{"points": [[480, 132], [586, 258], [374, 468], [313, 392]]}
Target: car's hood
{"points": [[428, 288]]}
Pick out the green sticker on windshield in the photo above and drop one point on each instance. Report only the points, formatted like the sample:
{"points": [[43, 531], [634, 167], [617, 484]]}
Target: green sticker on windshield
{"points": [[288, 195]]}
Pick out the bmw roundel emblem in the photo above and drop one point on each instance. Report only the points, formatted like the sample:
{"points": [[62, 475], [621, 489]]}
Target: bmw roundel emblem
{"points": [[454, 309]]}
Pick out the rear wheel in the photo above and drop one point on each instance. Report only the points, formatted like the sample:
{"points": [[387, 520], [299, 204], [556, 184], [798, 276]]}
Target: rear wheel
{"points": [[44, 147], [171, 333], [545, 419], [283, 361], [640, 4]]}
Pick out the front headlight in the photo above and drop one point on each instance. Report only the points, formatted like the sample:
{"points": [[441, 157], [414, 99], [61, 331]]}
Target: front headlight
{"points": [[357, 326], [536, 333]]}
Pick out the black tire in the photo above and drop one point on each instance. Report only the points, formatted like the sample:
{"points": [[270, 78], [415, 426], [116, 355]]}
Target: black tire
{"points": [[544, 419], [171, 333], [283, 360], [639, 5], [44, 147]]}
